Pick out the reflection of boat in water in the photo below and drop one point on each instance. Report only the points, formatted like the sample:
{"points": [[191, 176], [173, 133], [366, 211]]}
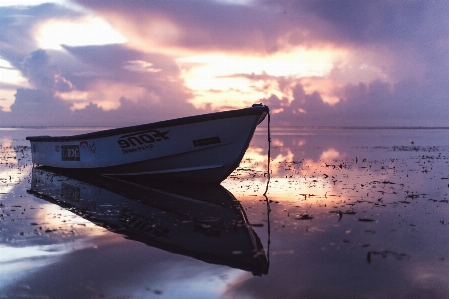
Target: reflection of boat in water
{"points": [[205, 222]]}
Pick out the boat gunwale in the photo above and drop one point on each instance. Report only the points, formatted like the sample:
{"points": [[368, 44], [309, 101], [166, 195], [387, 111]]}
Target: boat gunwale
{"points": [[255, 110]]}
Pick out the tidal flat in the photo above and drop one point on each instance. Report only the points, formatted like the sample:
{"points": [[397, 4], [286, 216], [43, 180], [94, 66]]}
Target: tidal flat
{"points": [[348, 213]]}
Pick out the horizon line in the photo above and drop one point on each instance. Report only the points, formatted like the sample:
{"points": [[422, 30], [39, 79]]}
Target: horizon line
{"points": [[262, 126]]}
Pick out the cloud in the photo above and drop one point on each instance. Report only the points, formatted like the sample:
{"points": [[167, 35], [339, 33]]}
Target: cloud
{"points": [[44, 75], [192, 25], [116, 75], [35, 107], [105, 90], [17, 28], [141, 66], [106, 93], [384, 43], [340, 63], [375, 104], [370, 21], [83, 30]]}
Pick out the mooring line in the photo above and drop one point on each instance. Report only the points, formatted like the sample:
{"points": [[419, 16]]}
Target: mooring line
{"points": [[266, 189], [269, 155]]}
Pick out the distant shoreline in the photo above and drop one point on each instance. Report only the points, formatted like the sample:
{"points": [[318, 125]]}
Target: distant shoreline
{"points": [[259, 128], [353, 128]]}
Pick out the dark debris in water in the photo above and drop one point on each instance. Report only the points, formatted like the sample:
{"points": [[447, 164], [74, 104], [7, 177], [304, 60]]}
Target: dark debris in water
{"points": [[304, 217], [366, 220], [384, 254]]}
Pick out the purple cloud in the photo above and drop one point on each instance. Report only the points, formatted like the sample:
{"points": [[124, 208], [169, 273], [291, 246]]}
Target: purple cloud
{"points": [[402, 43], [44, 75]]}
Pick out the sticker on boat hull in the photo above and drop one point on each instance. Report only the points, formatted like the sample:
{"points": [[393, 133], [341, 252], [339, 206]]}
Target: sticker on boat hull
{"points": [[70, 153], [206, 141], [140, 141], [88, 147]]}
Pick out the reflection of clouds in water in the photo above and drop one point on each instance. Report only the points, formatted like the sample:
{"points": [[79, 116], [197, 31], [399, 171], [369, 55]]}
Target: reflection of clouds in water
{"points": [[9, 178], [330, 154], [5, 141], [402, 191], [320, 257], [15, 165], [277, 142], [428, 276], [33, 235], [66, 223], [19, 262], [330, 173], [185, 283]]}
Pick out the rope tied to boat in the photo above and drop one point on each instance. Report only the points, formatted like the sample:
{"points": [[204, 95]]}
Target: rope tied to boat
{"points": [[269, 155], [267, 186]]}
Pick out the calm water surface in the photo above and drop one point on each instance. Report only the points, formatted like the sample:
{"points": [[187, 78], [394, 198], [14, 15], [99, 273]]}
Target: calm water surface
{"points": [[351, 213]]}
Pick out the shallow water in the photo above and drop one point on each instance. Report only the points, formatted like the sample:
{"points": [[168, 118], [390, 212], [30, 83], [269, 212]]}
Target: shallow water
{"points": [[351, 213]]}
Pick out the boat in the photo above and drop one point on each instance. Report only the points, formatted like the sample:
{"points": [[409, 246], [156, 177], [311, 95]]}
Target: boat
{"points": [[203, 148], [202, 221]]}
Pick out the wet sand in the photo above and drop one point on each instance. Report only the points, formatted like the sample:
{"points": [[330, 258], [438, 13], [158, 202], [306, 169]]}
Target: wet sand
{"points": [[350, 214]]}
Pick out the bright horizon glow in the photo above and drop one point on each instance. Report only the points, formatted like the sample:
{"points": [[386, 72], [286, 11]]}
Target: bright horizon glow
{"points": [[12, 79], [10, 75], [28, 2], [81, 32], [297, 63], [226, 80], [141, 66], [7, 98], [237, 2]]}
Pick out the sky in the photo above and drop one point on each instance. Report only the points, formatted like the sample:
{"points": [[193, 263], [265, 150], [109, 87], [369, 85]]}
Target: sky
{"points": [[314, 63]]}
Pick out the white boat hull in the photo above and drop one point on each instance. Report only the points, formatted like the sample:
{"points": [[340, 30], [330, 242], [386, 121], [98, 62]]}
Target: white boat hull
{"points": [[204, 148]]}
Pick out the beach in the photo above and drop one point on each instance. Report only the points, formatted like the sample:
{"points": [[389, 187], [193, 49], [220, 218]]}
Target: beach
{"points": [[348, 213]]}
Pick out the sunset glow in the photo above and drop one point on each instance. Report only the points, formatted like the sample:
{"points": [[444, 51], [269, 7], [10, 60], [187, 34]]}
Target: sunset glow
{"points": [[230, 80], [10, 78], [311, 65], [11, 75], [7, 99], [124, 172], [27, 2], [82, 32]]}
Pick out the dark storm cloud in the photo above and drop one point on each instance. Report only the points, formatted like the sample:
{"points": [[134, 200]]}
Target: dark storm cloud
{"points": [[417, 29], [204, 25], [370, 21], [414, 33]]}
